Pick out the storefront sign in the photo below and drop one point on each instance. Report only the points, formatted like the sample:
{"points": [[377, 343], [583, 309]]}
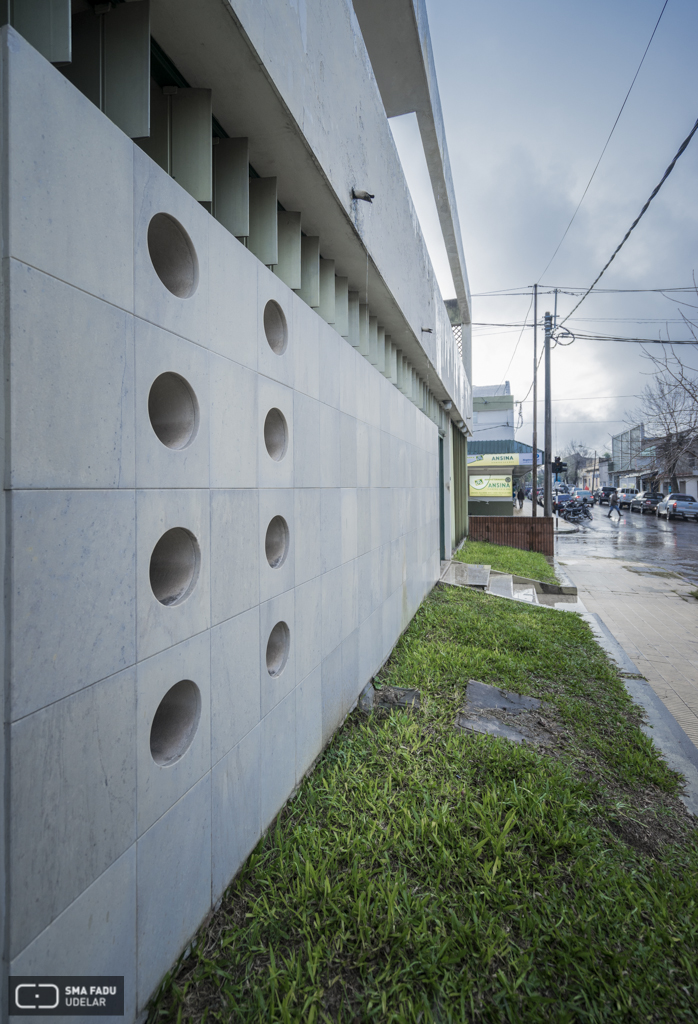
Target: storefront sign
{"points": [[490, 486], [504, 459]]}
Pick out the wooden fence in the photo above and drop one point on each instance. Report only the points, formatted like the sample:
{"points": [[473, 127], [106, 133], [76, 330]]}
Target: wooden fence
{"points": [[515, 532]]}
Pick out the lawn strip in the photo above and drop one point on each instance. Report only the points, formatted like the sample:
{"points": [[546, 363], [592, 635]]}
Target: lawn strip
{"points": [[424, 874], [530, 564]]}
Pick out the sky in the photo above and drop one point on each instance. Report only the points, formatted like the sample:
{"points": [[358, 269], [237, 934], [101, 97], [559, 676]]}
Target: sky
{"points": [[529, 93]]}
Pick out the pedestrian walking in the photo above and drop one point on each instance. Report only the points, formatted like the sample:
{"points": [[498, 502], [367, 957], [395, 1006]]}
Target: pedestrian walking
{"points": [[613, 505], [520, 495]]}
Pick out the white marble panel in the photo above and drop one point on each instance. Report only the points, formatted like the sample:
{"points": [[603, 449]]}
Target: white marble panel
{"points": [[349, 359], [332, 713], [73, 586], [308, 534], [331, 611], [233, 426], [235, 804], [363, 454], [158, 465], [349, 504], [274, 581], [328, 357], [308, 624], [73, 799], [363, 520], [277, 366], [160, 786], [159, 625], [351, 683], [235, 681], [347, 450], [308, 335], [331, 527], [274, 687], [330, 451], [174, 885], [235, 552], [233, 313], [350, 598], [308, 441], [270, 395], [95, 935], [156, 192], [56, 218], [71, 386], [278, 757], [308, 722]]}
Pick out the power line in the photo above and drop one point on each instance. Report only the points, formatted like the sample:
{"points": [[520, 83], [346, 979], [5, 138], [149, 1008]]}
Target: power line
{"points": [[593, 173], [634, 224], [575, 290]]}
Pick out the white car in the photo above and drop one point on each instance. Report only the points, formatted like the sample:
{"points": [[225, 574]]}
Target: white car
{"points": [[626, 496], [684, 505]]}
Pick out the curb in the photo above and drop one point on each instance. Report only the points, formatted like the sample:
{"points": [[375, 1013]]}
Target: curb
{"points": [[678, 749]]}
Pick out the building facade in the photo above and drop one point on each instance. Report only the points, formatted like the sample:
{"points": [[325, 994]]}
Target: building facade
{"points": [[233, 396]]}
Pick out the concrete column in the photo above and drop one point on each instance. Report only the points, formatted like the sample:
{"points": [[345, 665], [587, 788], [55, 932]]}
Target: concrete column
{"points": [[353, 317], [341, 306], [363, 330], [289, 266], [326, 307], [231, 185], [191, 149], [309, 290], [45, 24], [373, 340], [381, 350], [263, 239]]}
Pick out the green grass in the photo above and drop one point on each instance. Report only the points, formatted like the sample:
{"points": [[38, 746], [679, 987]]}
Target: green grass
{"points": [[504, 559], [425, 875]]}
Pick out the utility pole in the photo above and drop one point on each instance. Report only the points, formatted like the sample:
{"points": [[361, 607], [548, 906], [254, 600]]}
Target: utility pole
{"points": [[547, 458], [534, 455]]}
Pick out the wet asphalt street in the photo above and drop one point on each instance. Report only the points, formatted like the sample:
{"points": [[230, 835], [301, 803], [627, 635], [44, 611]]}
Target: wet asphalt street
{"points": [[636, 538]]}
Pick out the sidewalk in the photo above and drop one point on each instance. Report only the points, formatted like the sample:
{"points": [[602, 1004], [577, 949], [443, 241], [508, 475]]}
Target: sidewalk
{"points": [[560, 525], [655, 619]]}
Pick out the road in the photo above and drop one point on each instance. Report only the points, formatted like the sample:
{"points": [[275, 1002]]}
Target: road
{"points": [[636, 538]]}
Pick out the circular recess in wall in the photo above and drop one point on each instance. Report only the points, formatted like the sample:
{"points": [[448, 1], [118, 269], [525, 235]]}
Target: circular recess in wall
{"points": [[276, 434], [174, 566], [275, 327], [276, 542], [278, 646], [175, 723], [173, 255], [173, 410]]}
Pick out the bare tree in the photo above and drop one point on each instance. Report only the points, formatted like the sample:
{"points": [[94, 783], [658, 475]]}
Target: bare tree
{"points": [[575, 455], [669, 410]]}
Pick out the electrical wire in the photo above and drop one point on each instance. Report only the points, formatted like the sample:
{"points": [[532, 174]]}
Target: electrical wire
{"points": [[593, 173], [682, 148]]}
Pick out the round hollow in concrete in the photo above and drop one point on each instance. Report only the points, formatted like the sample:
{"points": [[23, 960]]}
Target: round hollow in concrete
{"points": [[276, 434], [173, 410], [275, 327], [174, 566], [175, 723], [173, 255], [276, 542], [278, 646]]}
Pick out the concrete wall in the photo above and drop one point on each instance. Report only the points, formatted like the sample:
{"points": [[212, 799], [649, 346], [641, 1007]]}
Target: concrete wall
{"points": [[114, 855]]}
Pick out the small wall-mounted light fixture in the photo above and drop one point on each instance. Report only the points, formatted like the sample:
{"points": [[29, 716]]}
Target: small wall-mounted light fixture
{"points": [[460, 424], [448, 405], [360, 193], [427, 330]]}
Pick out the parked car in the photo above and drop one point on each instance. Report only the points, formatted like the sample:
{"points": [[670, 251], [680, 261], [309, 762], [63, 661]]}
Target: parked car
{"points": [[684, 505], [584, 495], [646, 502], [604, 495], [560, 500], [626, 495]]}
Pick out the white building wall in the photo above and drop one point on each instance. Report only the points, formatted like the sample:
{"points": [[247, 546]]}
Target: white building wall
{"points": [[115, 859]]}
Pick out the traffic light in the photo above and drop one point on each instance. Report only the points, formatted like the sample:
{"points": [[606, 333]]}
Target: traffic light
{"points": [[558, 466]]}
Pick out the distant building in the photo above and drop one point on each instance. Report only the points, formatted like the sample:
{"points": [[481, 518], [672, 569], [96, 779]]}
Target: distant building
{"points": [[493, 412]]}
